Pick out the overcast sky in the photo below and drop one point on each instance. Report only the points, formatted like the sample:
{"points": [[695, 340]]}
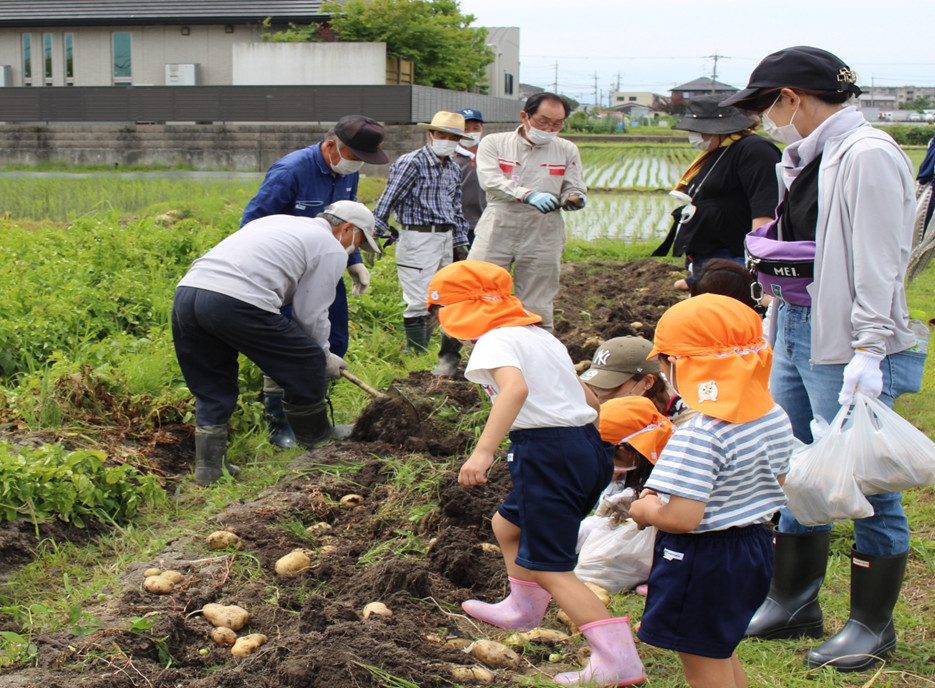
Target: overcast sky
{"points": [[653, 45]]}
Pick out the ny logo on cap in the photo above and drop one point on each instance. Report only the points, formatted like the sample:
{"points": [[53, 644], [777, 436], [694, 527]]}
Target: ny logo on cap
{"points": [[600, 358]]}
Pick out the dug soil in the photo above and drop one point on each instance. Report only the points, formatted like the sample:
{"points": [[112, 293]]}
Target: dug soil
{"points": [[419, 550]]}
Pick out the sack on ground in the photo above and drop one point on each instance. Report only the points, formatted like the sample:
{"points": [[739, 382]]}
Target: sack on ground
{"points": [[616, 558], [821, 486]]}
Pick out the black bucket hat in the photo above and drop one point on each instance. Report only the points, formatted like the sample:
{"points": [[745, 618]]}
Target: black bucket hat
{"points": [[798, 67], [705, 116]]}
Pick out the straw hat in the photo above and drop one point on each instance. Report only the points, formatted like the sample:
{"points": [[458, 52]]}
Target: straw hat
{"points": [[449, 122]]}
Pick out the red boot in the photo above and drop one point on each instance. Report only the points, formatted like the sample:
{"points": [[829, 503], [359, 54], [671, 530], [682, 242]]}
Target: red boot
{"points": [[613, 662], [522, 610]]}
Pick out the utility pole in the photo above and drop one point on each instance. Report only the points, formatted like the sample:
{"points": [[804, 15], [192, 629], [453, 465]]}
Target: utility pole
{"points": [[555, 81], [597, 101], [715, 57]]}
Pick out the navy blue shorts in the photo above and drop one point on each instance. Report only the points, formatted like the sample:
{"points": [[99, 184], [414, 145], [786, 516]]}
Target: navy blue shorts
{"points": [[558, 475], [704, 588]]}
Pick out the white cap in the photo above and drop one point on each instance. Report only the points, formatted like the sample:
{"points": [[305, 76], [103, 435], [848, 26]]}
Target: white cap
{"points": [[360, 216]]}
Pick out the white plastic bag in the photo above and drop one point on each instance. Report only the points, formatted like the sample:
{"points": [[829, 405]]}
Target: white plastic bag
{"points": [[891, 454], [616, 558], [821, 486]]}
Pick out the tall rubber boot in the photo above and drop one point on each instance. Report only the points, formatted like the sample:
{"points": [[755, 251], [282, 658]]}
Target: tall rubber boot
{"points": [[522, 610], [791, 608], [210, 454], [280, 433], [417, 334], [449, 357], [309, 422], [869, 635], [613, 661]]}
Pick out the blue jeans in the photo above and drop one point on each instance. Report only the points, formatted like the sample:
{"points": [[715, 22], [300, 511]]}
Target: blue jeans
{"points": [[805, 390], [697, 262]]}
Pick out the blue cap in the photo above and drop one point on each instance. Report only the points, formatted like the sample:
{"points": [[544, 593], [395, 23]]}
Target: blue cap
{"points": [[471, 113]]}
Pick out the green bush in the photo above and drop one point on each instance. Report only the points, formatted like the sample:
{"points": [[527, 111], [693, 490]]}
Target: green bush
{"points": [[911, 135]]}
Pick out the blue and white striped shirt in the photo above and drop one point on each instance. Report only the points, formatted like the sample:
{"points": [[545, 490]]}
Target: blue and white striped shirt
{"points": [[731, 467]]}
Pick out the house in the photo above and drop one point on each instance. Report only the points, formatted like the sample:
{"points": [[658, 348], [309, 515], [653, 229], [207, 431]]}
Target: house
{"points": [[703, 86], [647, 99]]}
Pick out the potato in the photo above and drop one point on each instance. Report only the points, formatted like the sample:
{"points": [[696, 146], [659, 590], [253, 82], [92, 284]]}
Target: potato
{"points": [[636, 324], [351, 501], [565, 619], [459, 642], [158, 584], [173, 576], [223, 539], [583, 655], [601, 593], [230, 616], [494, 654], [321, 525], [376, 609], [248, 644], [475, 673], [151, 572], [489, 547], [293, 563], [327, 549], [223, 636], [536, 635]]}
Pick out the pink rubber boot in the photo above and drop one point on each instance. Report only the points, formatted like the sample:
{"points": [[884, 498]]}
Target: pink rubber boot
{"points": [[613, 661], [522, 610]]}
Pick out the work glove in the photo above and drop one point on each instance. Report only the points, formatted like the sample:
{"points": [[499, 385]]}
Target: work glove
{"points": [[334, 364], [541, 201], [616, 507], [389, 235], [862, 374], [459, 253], [574, 202], [360, 277]]}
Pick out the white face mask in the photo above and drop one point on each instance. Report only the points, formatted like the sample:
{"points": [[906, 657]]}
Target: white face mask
{"points": [[351, 250], [344, 165], [537, 137], [443, 148], [697, 141], [471, 140], [784, 134]]}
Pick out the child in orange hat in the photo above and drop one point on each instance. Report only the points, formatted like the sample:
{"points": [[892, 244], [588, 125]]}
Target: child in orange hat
{"points": [[558, 463], [715, 485]]}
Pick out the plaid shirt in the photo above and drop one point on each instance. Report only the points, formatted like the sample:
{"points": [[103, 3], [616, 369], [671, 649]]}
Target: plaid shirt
{"points": [[423, 189]]}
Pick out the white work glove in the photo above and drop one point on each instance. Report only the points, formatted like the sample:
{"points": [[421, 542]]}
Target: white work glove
{"points": [[334, 364], [617, 506], [862, 374], [360, 277]]}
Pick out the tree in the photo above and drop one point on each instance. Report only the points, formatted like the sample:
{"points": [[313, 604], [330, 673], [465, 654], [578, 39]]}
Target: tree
{"points": [[919, 103], [446, 52]]}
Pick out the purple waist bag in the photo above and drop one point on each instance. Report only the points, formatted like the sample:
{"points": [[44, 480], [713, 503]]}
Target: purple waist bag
{"points": [[783, 268]]}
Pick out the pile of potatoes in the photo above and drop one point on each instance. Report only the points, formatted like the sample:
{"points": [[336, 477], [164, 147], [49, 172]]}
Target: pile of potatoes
{"points": [[227, 620], [160, 582]]}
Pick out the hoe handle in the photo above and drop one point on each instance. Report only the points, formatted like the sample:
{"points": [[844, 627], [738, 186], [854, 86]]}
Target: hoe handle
{"points": [[363, 385]]}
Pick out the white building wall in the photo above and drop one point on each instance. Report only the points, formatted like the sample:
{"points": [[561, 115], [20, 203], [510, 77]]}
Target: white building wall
{"points": [[307, 64], [504, 41]]}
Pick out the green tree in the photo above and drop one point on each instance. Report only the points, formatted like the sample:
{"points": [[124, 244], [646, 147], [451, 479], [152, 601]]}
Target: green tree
{"points": [[446, 52], [919, 103]]}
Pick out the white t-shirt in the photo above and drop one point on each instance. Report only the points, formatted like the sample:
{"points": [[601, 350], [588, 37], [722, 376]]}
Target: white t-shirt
{"points": [[555, 399]]}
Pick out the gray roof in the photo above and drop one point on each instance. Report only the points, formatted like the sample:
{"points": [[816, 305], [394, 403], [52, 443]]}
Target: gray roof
{"points": [[115, 12], [704, 84]]}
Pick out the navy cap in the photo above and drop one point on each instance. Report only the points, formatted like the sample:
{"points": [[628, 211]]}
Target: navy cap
{"points": [[798, 67], [364, 136], [471, 113]]}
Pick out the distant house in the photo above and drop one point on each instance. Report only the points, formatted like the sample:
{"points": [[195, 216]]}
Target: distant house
{"points": [[703, 86], [527, 90], [647, 99]]}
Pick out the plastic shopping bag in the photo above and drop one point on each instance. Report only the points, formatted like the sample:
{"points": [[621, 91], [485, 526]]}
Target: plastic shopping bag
{"points": [[821, 485], [616, 558], [891, 454]]}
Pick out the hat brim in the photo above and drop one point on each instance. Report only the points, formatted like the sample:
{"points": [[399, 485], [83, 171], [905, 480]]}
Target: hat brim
{"points": [[377, 157], [740, 96], [726, 125], [467, 320], [371, 245], [447, 130], [604, 379]]}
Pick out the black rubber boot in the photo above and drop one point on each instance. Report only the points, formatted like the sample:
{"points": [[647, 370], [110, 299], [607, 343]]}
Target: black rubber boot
{"points": [[869, 635], [210, 453], [449, 357], [309, 422], [791, 608], [280, 433], [417, 334]]}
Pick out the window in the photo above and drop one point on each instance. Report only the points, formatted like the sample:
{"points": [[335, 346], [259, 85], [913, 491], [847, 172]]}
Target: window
{"points": [[47, 58], [69, 59], [507, 84], [27, 59], [123, 73]]}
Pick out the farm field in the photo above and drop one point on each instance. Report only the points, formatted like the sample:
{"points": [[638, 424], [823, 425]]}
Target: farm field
{"points": [[89, 387]]}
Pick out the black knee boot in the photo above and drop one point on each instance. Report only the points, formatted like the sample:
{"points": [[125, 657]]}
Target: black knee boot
{"points": [[309, 422], [869, 635], [280, 433], [211, 453], [791, 608], [417, 334], [449, 357]]}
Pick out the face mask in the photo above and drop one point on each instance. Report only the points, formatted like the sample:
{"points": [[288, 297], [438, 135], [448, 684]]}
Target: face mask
{"points": [[537, 137], [784, 134], [346, 166], [471, 140], [697, 141], [351, 250], [443, 148]]}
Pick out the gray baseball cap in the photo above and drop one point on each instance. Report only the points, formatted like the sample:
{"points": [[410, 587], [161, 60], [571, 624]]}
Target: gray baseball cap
{"points": [[360, 216], [619, 359]]}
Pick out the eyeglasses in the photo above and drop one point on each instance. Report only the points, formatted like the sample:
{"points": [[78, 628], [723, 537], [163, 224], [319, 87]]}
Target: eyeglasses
{"points": [[547, 125]]}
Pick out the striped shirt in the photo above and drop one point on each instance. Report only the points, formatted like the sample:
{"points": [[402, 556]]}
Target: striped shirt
{"points": [[423, 189], [731, 467]]}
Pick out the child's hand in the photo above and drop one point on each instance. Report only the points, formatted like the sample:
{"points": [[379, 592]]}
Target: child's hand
{"points": [[642, 510], [474, 470]]}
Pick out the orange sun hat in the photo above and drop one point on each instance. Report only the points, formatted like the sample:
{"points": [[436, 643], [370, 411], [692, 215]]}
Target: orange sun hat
{"points": [[635, 421], [721, 359], [477, 297]]}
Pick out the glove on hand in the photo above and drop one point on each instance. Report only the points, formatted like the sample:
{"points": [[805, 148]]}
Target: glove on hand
{"points": [[574, 202], [334, 364], [459, 253], [360, 277], [862, 374], [617, 506], [541, 201]]}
